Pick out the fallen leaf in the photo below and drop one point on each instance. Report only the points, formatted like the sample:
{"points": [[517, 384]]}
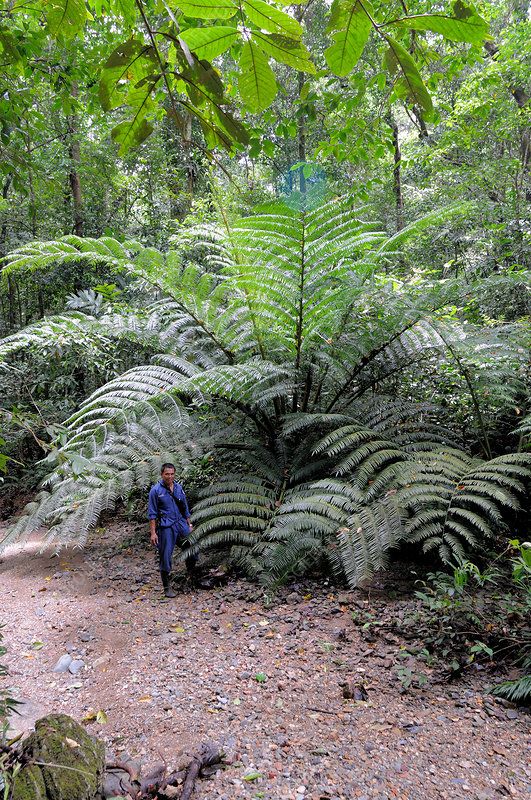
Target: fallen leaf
{"points": [[252, 776], [71, 742], [101, 717]]}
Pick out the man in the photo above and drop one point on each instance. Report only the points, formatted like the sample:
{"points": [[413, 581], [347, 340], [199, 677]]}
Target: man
{"points": [[169, 523]]}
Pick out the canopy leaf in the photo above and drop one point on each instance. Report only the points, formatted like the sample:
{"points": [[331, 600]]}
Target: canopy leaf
{"points": [[256, 80], [465, 24], [209, 42], [350, 25], [208, 9], [409, 84]]}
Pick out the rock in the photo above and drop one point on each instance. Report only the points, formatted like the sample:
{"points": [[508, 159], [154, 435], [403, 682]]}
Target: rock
{"points": [[75, 666], [85, 636], [63, 664], [511, 713], [29, 784], [60, 741]]}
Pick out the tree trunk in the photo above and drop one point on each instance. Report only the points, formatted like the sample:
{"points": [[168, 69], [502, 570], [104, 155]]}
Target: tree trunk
{"points": [[301, 130], [301, 138], [11, 296], [397, 177], [190, 166], [74, 152]]}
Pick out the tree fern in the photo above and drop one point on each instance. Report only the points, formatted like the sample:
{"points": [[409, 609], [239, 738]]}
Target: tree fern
{"points": [[288, 348]]}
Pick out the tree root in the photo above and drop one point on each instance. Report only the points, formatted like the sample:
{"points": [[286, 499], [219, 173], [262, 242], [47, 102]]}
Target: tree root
{"points": [[159, 784]]}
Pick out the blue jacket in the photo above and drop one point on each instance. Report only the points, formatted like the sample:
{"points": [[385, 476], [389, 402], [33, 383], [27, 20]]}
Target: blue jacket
{"points": [[167, 508]]}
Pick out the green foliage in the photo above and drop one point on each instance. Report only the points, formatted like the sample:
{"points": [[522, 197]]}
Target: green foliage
{"points": [[351, 27], [160, 69]]}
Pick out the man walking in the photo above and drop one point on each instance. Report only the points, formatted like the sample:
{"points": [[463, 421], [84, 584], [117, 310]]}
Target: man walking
{"points": [[169, 523]]}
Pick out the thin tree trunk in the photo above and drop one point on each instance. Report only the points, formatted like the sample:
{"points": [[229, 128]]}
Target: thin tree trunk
{"points": [[301, 121], [397, 176], [301, 139], [74, 152], [11, 296], [190, 166]]}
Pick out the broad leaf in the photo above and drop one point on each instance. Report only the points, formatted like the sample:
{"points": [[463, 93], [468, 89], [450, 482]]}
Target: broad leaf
{"points": [[285, 50], [269, 18], [9, 47], [256, 80], [131, 133], [209, 42], [132, 60], [351, 25], [65, 17], [214, 135], [203, 83], [208, 9], [224, 120], [410, 84], [126, 10], [465, 25]]}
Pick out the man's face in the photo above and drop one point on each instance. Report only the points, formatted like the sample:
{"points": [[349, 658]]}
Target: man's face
{"points": [[168, 476]]}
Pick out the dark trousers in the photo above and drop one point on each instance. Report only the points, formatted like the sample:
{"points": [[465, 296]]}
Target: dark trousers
{"points": [[169, 538]]}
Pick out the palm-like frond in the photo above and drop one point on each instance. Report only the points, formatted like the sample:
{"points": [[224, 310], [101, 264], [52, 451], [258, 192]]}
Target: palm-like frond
{"points": [[90, 480], [456, 502]]}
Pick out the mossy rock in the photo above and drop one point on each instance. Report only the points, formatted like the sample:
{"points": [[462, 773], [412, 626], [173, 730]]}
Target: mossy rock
{"points": [[75, 761], [29, 784]]}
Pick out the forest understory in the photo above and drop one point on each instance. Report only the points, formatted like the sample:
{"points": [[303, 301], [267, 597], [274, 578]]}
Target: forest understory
{"points": [[304, 700]]}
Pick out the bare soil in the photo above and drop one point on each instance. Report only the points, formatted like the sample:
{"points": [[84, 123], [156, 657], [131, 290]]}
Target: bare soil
{"points": [[262, 681]]}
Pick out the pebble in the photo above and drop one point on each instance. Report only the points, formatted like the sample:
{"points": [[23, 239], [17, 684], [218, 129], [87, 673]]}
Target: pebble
{"points": [[75, 666], [63, 664]]}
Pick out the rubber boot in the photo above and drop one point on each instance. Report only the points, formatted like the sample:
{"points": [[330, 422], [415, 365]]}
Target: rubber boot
{"points": [[168, 591]]}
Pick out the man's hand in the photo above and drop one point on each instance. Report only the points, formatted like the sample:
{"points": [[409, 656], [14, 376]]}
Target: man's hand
{"points": [[154, 539], [190, 526]]}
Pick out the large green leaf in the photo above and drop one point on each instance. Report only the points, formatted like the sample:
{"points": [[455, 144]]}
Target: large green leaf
{"points": [[410, 85], [256, 80], [208, 9], [269, 18], [219, 127], [131, 133], [203, 83], [126, 10], [131, 61], [465, 24], [285, 50], [65, 17], [9, 47], [351, 25], [209, 42]]}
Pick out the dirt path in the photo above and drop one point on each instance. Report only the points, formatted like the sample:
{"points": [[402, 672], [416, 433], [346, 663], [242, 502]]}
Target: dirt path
{"points": [[262, 682]]}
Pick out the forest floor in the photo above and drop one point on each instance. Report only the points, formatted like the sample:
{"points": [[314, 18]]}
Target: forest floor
{"points": [[263, 682]]}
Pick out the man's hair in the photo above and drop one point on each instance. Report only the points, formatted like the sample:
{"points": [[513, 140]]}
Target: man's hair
{"points": [[167, 466]]}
